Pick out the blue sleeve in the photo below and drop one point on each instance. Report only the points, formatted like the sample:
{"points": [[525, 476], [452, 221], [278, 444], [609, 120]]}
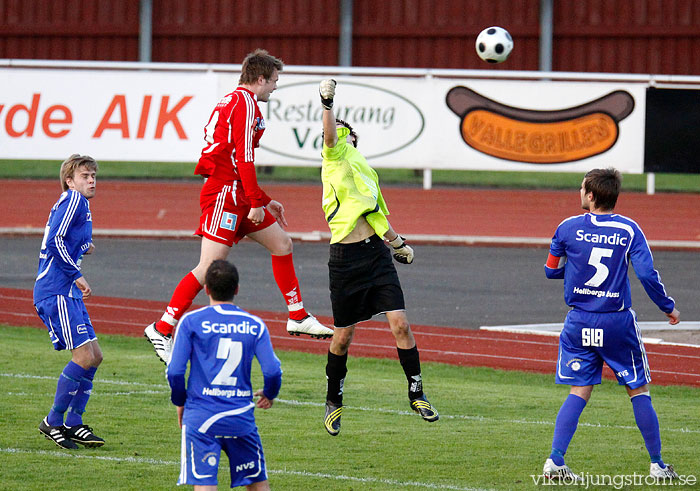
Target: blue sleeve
{"points": [[269, 364], [177, 366], [643, 264], [61, 226], [557, 249]]}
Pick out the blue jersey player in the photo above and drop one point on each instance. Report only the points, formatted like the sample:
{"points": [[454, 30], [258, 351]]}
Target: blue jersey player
{"points": [[58, 298], [215, 410], [592, 252]]}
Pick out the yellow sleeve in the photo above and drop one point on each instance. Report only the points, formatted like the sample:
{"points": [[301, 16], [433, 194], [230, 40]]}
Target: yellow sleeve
{"points": [[336, 152]]}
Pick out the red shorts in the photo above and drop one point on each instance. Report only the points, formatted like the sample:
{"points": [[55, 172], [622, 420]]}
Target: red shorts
{"points": [[225, 211]]}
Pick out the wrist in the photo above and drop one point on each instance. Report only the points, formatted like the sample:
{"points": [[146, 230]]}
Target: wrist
{"points": [[396, 241]]}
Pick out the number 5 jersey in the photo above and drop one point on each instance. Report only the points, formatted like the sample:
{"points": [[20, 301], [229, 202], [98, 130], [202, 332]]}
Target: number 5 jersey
{"points": [[592, 253]]}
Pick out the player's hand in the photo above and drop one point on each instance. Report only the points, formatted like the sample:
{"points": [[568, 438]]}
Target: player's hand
{"points": [[263, 402], [402, 253], [256, 215], [90, 250], [327, 91], [674, 317], [83, 286], [180, 412], [277, 210]]}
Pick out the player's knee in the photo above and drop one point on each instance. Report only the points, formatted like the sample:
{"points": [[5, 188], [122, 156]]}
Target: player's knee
{"points": [[340, 344], [285, 246], [96, 359], [401, 328]]}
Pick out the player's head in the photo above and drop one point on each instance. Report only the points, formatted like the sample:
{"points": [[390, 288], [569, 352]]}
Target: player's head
{"points": [[78, 172], [221, 281], [602, 187], [352, 136], [261, 70]]}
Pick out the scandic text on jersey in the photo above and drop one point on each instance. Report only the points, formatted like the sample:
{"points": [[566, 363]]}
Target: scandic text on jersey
{"points": [[614, 239], [244, 327]]}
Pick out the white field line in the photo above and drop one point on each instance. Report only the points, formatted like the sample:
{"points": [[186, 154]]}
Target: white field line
{"points": [[479, 418], [368, 409], [97, 381], [318, 475], [98, 394], [392, 348]]}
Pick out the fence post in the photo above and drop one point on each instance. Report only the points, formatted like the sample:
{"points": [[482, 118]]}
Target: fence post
{"points": [[427, 179]]}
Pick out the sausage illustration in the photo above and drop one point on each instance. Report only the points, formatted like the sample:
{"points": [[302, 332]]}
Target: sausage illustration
{"points": [[536, 136]]}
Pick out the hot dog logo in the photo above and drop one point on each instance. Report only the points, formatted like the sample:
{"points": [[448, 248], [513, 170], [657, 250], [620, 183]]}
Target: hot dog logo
{"points": [[540, 137]]}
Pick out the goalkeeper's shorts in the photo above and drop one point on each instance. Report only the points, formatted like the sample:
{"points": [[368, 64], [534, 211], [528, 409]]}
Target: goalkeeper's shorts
{"points": [[363, 281]]}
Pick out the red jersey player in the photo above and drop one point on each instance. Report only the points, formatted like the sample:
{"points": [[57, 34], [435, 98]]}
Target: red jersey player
{"points": [[233, 204]]}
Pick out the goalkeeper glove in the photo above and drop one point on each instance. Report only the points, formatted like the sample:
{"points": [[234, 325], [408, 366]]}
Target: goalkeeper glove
{"points": [[402, 252], [327, 91]]}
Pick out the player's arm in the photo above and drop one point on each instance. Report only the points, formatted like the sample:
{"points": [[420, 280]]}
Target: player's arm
{"points": [[241, 116], [643, 264], [177, 365], [269, 365], [62, 224], [554, 267], [326, 90]]}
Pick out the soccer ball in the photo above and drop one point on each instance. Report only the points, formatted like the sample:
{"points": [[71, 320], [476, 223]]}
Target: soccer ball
{"points": [[494, 44]]}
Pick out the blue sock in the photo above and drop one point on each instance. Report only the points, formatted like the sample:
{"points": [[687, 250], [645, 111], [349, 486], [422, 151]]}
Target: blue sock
{"points": [[74, 416], [66, 388], [565, 426], [648, 424]]}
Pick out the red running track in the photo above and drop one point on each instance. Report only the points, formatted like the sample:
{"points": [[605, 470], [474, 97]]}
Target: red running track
{"points": [[670, 365], [156, 205]]}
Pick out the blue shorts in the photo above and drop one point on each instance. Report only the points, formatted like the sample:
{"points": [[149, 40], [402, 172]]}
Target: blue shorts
{"points": [[67, 320], [589, 339], [200, 454]]}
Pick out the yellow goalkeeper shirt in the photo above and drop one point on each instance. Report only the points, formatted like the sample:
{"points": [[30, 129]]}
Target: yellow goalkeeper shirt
{"points": [[350, 190]]}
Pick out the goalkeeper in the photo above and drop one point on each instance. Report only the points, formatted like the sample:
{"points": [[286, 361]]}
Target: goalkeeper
{"points": [[363, 279]]}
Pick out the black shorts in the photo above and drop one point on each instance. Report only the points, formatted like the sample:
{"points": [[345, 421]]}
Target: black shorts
{"points": [[363, 281]]}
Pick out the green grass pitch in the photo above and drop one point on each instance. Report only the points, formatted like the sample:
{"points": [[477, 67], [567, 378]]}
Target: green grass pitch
{"points": [[494, 432]]}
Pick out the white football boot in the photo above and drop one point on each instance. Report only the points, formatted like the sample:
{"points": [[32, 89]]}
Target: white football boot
{"points": [[556, 472], [659, 472], [309, 325], [162, 344]]}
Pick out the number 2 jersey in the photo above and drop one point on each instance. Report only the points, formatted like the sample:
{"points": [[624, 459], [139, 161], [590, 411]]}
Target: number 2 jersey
{"points": [[592, 253], [68, 235], [220, 342]]}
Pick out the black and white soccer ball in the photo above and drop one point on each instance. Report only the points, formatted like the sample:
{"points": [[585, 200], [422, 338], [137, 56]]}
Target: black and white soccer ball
{"points": [[494, 44]]}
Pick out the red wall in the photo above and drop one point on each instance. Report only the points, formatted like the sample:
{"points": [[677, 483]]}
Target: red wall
{"points": [[626, 36]]}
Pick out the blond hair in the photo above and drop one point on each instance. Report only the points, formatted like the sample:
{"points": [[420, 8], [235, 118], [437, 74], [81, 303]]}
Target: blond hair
{"points": [[71, 164], [258, 63]]}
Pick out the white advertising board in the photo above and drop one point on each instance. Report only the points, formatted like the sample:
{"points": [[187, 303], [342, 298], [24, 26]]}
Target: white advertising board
{"points": [[403, 122]]}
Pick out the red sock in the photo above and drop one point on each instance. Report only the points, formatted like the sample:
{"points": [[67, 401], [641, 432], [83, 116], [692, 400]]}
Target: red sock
{"points": [[182, 298], [286, 278]]}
